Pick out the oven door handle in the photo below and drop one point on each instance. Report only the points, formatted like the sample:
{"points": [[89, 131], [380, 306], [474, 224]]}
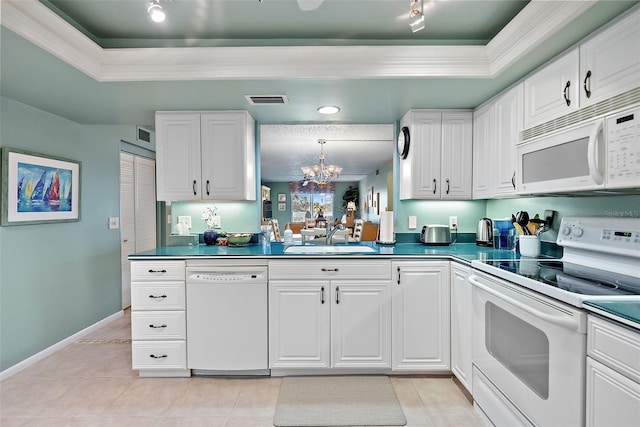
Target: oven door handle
{"points": [[571, 324]]}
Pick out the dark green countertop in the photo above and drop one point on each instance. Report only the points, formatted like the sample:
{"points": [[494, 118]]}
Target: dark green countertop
{"points": [[625, 312], [465, 252]]}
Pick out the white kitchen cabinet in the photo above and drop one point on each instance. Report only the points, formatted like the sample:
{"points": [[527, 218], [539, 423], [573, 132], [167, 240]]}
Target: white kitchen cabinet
{"points": [[553, 90], [205, 155], [438, 165], [507, 123], [610, 61], [482, 152], [420, 322], [461, 334], [320, 316], [613, 374], [158, 325]]}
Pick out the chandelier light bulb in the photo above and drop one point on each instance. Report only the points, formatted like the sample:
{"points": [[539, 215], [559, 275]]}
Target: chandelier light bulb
{"points": [[156, 12]]}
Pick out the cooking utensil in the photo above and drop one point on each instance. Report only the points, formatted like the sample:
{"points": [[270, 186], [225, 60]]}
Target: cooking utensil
{"points": [[522, 218]]}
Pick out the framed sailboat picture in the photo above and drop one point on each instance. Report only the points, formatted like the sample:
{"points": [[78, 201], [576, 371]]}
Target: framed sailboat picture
{"points": [[38, 188]]}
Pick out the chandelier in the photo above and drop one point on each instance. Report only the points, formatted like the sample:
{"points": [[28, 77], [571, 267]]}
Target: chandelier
{"points": [[321, 174]]}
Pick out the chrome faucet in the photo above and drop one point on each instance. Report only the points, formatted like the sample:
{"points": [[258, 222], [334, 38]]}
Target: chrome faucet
{"points": [[332, 230]]}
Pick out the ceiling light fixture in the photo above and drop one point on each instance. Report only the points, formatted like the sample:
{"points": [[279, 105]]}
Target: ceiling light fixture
{"points": [[155, 11], [328, 109], [416, 15], [321, 174]]}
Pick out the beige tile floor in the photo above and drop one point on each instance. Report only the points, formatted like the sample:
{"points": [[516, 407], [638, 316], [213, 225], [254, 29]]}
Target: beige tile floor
{"points": [[90, 383]]}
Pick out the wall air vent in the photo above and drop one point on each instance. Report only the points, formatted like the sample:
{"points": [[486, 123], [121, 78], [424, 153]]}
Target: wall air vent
{"points": [[601, 108], [267, 99]]}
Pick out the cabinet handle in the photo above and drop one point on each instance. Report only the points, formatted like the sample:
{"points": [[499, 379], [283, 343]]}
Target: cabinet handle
{"points": [[398, 275], [157, 296], [322, 295], [566, 93], [194, 188], [157, 326], [337, 294], [157, 271], [447, 185], [207, 187], [162, 356], [329, 269], [434, 185], [587, 79], [513, 180]]}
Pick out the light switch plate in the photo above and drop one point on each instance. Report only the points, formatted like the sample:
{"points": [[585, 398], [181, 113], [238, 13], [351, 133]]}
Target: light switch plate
{"points": [[114, 223], [413, 222]]}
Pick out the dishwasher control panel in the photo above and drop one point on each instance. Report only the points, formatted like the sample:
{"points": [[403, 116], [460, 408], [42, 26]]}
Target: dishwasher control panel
{"points": [[239, 275]]}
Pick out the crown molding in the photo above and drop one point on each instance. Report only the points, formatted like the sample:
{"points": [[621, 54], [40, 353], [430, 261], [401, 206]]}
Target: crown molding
{"points": [[537, 22]]}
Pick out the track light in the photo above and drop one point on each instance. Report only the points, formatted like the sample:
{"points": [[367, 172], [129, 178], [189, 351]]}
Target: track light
{"points": [[155, 11], [416, 15]]}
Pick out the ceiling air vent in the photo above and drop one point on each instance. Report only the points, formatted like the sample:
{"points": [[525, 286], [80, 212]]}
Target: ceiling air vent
{"points": [[267, 99]]}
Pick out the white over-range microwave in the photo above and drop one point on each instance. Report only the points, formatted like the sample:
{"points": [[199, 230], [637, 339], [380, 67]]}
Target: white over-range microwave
{"points": [[600, 154]]}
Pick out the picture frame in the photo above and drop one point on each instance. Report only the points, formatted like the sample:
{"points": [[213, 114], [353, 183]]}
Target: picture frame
{"points": [[38, 188], [282, 207], [282, 197]]}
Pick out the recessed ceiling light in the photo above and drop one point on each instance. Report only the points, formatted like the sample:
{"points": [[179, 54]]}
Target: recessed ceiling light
{"points": [[156, 12], [328, 109]]}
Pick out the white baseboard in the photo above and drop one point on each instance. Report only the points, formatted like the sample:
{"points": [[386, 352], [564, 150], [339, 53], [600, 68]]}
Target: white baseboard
{"points": [[57, 346]]}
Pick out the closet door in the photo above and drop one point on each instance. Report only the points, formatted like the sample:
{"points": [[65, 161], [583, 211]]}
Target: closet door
{"points": [[145, 203]]}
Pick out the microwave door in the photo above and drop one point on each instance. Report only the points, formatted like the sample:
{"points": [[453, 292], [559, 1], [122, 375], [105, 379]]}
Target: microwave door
{"points": [[566, 161]]}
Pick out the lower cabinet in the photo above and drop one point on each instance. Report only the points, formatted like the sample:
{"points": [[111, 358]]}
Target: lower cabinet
{"points": [[335, 322], [421, 316], [461, 334]]}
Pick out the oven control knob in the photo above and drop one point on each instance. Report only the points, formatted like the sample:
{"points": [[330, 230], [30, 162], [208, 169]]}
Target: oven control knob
{"points": [[566, 230], [577, 231]]}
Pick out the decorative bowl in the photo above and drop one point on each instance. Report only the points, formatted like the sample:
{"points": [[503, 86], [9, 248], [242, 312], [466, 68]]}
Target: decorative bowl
{"points": [[239, 238]]}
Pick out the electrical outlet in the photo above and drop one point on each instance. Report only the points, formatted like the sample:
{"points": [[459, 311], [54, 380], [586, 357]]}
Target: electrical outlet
{"points": [[186, 220], [453, 222], [413, 222], [114, 223]]}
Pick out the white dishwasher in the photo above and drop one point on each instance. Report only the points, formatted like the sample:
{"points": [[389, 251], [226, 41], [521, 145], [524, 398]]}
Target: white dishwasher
{"points": [[227, 329]]}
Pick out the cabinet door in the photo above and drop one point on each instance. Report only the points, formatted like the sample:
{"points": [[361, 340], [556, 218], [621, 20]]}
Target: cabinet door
{"points": [[361, 324], [421, 316], [461, 334], [482, 151], [553, 91], [178, 156], [610, 61], [299, 328], [420, 171], [456, 162], [228, 151], [507, 123]]}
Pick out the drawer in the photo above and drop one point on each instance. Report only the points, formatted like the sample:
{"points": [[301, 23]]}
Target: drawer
{"points": [[330, 269], [157, 296], [158, 325], [615, 346], [157, 270], [159, 354]]}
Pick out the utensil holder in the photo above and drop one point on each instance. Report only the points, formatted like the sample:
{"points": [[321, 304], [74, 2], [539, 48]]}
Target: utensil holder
{"points": [[529, 246]]}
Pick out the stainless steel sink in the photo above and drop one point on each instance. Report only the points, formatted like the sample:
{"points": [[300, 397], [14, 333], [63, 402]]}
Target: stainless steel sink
{"points": [[329, 249]]}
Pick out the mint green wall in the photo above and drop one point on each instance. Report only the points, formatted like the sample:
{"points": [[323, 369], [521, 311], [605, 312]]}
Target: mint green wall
{"points": [[234, 216], [57, 279], [438, 212], [628, 205]]}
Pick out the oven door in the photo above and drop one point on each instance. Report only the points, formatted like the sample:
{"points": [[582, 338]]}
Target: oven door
{"points": [[571, 160], [529, 351]]}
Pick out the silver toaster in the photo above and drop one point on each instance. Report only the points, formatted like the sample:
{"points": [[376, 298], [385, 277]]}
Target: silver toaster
{"points": [[435, 235]]}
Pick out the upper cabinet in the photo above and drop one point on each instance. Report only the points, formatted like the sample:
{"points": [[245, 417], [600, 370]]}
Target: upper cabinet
{"points": [[439, 159], [603, 66], [205, 156]]}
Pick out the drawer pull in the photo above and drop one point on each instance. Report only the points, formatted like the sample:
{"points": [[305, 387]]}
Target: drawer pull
{"points": [[157, 296], [157, 326], [330, 269], [157, 271], [162, 356]]}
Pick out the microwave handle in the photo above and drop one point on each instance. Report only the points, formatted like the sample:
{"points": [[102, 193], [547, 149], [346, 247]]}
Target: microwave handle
{"points": [[562, 321], [593, 151]]}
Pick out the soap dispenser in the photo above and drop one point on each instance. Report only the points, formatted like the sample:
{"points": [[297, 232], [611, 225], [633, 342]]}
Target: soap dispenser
{"points": [[288, 235]]}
